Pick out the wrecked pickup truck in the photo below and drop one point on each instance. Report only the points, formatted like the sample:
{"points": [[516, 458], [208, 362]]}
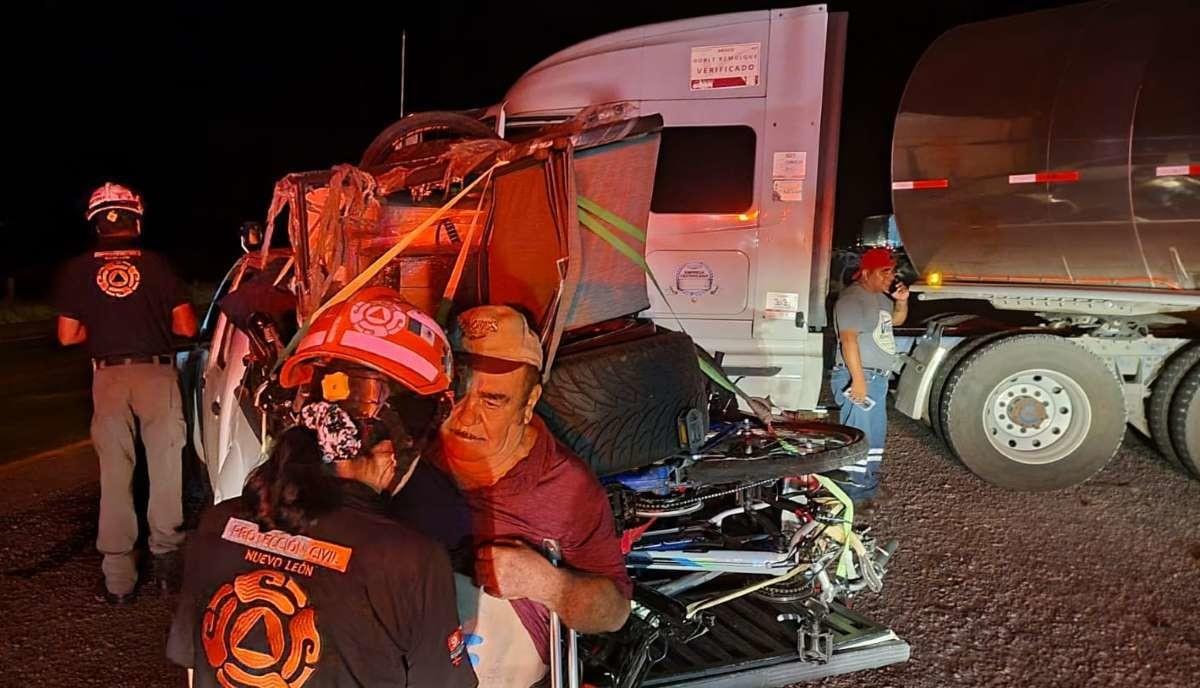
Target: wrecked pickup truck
{"points": [[744, 556]]}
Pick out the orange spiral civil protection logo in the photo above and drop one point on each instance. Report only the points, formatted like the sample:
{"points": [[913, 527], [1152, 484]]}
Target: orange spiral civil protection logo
{"points": [[118, 278], [260, 632], [378, 317]]}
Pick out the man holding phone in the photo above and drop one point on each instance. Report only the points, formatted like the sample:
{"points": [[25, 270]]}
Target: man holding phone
{"points": [[866, 357]]}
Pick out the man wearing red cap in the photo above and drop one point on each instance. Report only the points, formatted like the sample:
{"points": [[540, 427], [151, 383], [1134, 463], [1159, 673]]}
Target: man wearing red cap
{"points": [[866, 357]]}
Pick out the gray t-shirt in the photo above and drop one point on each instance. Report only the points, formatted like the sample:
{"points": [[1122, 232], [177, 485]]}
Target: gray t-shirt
{"points": [[870, 315]]}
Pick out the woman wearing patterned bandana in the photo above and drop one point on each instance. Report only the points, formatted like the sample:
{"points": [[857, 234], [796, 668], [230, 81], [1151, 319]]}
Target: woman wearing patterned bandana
{"points": [[305, 580]]}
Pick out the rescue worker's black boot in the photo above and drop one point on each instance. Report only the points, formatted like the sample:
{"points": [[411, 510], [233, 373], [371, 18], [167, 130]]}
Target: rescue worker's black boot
{"points": [[167, 572], [103, 595]]}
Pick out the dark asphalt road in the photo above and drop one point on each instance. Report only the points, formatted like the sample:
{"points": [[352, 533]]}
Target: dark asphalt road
{"points": [[1091, 586], [45, 397]]}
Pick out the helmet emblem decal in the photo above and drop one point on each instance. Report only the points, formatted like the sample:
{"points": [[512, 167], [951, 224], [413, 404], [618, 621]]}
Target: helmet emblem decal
{"points": [[377, 318]]}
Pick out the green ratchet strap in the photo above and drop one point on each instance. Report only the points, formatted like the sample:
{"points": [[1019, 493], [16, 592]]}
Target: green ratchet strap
{"points": [[603, 213], [598, 228], [845, 567], [593, 216]]}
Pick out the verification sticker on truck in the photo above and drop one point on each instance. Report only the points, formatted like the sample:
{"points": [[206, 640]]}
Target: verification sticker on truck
{"points": [[725, 66], [781, 305], [789, 165], [791, 190]]}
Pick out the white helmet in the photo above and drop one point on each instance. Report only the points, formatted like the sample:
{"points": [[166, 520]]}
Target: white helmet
{"points": [[113, 197]]}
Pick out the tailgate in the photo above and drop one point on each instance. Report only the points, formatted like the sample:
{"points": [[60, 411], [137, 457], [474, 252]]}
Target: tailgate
{"points": [[748, 646]]}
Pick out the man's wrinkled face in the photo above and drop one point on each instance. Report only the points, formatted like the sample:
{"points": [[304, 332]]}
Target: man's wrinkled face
{"points": [[490, 413]]}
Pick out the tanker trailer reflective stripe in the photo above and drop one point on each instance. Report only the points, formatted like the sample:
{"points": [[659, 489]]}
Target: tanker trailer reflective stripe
{"points": [[1007, 216], [918, 184], [1177, 171], [1045, 177]]}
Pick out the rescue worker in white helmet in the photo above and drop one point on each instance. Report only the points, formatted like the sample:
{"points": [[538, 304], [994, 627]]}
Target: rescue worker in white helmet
{"points": [[125, 303], [343, 595]]}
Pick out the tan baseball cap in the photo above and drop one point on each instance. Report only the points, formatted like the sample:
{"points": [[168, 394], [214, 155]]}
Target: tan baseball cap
{"points": [[497, 332]]}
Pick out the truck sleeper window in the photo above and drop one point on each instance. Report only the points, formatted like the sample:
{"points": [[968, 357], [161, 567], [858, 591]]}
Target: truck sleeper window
{"points": [[705, 170]]}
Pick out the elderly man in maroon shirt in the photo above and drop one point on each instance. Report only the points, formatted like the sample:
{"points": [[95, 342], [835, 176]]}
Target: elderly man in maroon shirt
{"points": [[521, 487]]}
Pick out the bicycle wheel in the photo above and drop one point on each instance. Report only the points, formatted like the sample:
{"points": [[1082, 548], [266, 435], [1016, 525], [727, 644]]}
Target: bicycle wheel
{"points": [[789, 448]]}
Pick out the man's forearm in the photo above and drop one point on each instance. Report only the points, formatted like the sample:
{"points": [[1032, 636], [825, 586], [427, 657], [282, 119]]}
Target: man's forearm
{"points": [[183, 320], [899, 313], [70, 331], [588, 603], [852, 357]]}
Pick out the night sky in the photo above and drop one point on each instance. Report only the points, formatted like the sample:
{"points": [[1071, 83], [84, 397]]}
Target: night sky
{"points": [[201, 106]]}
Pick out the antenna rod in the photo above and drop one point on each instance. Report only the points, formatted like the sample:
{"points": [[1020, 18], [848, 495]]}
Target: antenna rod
{"points": [[403, 65]]}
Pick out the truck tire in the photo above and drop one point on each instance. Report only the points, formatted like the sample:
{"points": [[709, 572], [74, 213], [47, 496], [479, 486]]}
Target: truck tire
{"points": [[1158, 408], [943, 373], [1034, 412], [1185, 421], [445, 124], [617, 406]]}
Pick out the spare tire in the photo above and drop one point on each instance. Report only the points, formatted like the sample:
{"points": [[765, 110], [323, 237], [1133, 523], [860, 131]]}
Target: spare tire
{"points": [[617, 406], [422, 125]]}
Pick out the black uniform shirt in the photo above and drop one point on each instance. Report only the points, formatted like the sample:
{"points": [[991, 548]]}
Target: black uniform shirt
{"points": [[359, 600], [124, 296]]}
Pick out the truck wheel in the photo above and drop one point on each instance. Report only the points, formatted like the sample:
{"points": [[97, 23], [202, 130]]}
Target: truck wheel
{"points": [[943, 373], [617, 406], [420, 127], [1185, 421], [1158, 409], [1034, 412]]}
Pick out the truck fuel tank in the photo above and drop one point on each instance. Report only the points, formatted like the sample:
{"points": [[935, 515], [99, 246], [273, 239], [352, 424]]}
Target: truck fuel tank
{"points": [[1057, 147]]}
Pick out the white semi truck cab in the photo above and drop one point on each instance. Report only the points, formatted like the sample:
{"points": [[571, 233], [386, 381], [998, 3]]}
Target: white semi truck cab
{"points": [[1045, 164], [741, 219]]}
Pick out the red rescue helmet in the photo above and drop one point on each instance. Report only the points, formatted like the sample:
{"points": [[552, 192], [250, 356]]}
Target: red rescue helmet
{"points": [[377, 329], [113, 197]]}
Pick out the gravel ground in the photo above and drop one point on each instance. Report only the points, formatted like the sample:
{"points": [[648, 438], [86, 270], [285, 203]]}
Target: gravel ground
{"points": [[1094, 585], [1091, 586]]}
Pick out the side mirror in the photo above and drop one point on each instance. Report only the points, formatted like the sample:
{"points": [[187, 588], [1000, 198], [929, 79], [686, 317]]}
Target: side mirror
{"points": [[251, 236], [265, 343]]}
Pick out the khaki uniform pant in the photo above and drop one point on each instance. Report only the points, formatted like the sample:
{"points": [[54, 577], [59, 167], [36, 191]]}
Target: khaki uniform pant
{"points": [[149, 392]]}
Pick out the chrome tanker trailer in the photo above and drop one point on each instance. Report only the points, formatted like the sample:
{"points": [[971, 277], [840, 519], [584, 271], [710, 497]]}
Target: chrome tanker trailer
{"points": [[1049, 163]]}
